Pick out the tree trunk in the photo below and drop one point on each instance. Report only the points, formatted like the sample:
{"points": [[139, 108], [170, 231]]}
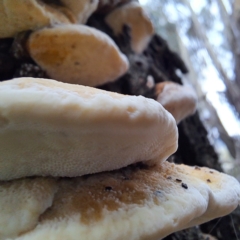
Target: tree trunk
{"points": [[157, 61]]}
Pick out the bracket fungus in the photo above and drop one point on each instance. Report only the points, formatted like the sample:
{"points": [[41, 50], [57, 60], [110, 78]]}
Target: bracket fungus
{"points": [[179, 100], [80, 162], [48, 123], [49, 129], [22, 202], [131, 203], [23, 15], [77, 54], [134, 16]]}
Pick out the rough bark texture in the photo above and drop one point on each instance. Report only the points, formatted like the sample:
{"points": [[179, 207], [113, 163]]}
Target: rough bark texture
{"points": [[157, 62]]}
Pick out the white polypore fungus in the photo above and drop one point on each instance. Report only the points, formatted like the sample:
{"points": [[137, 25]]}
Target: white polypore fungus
{"points": [[21, 204], [77, 54], [179, 100], [50, 128], [82, 9], [22, 15], [132, 203], [133, 16]]}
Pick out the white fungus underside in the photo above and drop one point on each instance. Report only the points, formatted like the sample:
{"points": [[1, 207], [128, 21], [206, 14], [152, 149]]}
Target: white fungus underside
{"points": [[61, 129]]}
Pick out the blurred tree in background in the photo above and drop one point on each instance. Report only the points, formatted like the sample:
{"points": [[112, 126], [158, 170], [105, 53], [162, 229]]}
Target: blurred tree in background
{"points": [[206, 34]]}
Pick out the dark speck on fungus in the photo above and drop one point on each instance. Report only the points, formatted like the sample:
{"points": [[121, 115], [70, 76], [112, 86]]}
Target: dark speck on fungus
{"points": [[178, 180], [184, 185], [197, 168], [208, 180], [158, 193]]}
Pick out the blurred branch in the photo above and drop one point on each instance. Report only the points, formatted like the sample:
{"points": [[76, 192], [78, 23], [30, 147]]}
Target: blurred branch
{"points": [[232, 89], [215, 121], [235, 27], [229, 28], [232, 32]]}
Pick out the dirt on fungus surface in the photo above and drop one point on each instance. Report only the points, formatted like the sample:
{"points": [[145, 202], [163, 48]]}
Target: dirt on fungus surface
{"points": [[157, 62]]}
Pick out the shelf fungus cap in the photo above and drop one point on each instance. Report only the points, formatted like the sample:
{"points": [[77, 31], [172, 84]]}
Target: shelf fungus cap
{"points": [[179, 100], [134, 16], [50, 128], [81, 9], [23, 15], [77, 54], [131, 203], [22, 202]]}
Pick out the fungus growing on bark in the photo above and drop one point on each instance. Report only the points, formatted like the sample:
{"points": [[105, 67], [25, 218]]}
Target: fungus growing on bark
{"points": [[49, 128], [179, 100], [77, 54], [59, 129], [134, 16], [45, 123]]}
